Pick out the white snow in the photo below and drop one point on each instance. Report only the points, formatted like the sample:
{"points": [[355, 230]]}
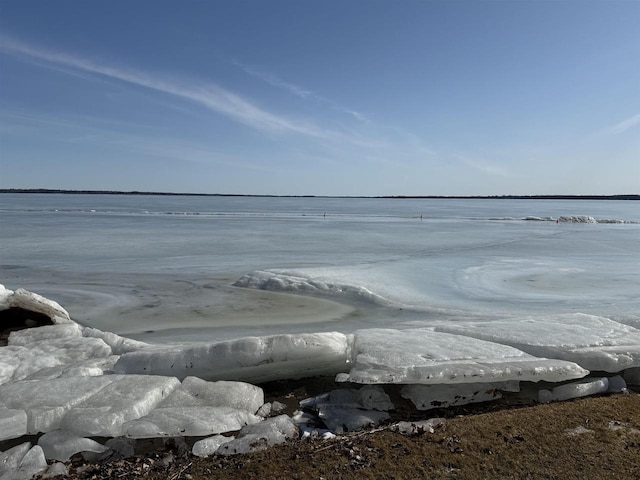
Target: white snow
{"points": [[420, 426], [257, 359], [594, 343], [428, 357]]}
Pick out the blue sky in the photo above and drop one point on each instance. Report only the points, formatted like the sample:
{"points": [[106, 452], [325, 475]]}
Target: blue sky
{"points": [[321, 98]]}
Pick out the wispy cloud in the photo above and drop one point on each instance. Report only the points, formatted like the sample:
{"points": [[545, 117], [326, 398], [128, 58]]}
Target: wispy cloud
{"points": [[488, 168], [623, 126], [210, 96], [296, 90]]}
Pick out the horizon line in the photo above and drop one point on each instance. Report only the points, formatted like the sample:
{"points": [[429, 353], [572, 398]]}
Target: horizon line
{"points": [[625, 196]]}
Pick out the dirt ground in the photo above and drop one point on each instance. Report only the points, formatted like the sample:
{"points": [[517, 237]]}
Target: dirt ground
{"points": [[593, 438]]}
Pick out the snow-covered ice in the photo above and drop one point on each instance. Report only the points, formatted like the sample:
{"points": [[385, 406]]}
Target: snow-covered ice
{"points": [[423, 356]]}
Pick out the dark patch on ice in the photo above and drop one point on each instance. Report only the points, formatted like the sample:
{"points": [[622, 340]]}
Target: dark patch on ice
{"points": [[14, 319]]}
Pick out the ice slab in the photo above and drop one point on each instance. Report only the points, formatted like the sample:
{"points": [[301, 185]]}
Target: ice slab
{"points": [[128, 397], [574, 390], [351, 409], [427, 357], [594, 343], [26, 300], [208, 446], [427, 397], [18, 362], [5, 297], [10, 459], [118, 344], [250, 359], [32, 463], [13, 423], [188, 422], [259, 436], [30, 336], [369, 397], [46, 402], [62, 445], [197, 392]]}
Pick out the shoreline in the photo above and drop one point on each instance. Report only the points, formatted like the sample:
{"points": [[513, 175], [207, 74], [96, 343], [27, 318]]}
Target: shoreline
{"points": [[588, 438]]}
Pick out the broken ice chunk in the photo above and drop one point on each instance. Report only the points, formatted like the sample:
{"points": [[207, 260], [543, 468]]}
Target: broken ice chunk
{"points": [[592, 386], [259, 436], [427, 397], [188, 421], [197, 392], [209, 446], [62, 445], [127, 398], [46, 402]]}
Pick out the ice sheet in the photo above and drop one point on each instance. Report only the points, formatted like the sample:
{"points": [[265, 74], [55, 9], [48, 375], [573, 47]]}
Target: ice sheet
{"points": [[195, 392], [251, 359], [593, 342], [188, 421], [428, 357], [128, 397]]}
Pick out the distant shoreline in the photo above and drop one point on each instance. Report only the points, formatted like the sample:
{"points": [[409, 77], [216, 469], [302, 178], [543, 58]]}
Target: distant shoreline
{"points": [[463, 197]]}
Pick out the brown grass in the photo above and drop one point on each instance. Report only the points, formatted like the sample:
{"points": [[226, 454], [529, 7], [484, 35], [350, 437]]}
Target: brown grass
{"points": [[524, 443]]}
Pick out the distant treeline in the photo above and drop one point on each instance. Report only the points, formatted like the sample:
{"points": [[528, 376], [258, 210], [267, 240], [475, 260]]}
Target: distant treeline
{"points": [[507, 197]]}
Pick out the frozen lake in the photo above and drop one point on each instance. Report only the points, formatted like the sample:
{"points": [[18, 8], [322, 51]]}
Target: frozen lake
{"points": [[163, 268]]}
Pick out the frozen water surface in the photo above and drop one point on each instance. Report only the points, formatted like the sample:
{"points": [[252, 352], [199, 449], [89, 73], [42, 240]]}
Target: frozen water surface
{"points": [[451, 298]]}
